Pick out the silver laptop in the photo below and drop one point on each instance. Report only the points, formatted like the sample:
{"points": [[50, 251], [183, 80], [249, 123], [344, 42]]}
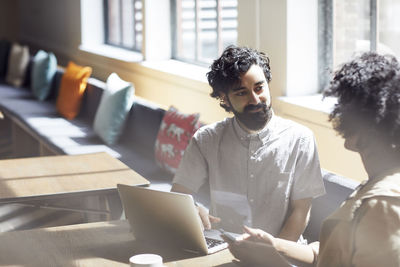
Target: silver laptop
{"points": [[167, 218]]}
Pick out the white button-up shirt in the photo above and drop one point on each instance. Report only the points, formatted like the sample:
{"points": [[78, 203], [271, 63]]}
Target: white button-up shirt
{"points": [[252, 177]]}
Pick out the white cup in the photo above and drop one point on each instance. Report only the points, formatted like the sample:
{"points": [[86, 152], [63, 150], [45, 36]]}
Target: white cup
{"points": [[146, 260]]}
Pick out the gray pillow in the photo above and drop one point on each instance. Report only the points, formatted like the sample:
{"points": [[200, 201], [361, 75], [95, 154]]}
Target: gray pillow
{"points": [[18, 61]]}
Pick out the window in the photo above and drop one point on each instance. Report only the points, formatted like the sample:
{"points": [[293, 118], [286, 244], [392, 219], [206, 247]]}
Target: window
{"points": [[351, 26], [123, 23], [203, 28]]}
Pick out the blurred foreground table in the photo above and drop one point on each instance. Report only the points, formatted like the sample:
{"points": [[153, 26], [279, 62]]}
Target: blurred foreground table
{"points": [[60, 182], [41, 177], [92, 244]]}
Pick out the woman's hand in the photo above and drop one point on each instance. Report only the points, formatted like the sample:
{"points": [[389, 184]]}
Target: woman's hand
{"points": [[250, 248], [253, 253], [256, 248], [258, 235]]}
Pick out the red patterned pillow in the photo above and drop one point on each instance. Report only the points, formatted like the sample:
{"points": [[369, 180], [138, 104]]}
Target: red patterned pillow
{"points": [[175, 132]]}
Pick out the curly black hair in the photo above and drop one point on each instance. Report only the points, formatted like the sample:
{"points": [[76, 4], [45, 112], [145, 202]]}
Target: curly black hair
{"points": [[226, 71], [368, 94]]}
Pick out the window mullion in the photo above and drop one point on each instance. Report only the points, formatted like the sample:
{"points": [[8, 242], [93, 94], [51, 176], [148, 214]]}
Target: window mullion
{"points": [[106, 22], [325, 41], [134, 24], [219, 26], [374, 25], [178, 28], [197, 30], [121, 24]]}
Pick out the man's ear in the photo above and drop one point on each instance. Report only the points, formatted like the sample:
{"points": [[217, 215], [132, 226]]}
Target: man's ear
{"points": [[224, 99]]}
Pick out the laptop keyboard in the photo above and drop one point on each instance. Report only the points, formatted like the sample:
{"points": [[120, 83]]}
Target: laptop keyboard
{"points": [[213, 242]]}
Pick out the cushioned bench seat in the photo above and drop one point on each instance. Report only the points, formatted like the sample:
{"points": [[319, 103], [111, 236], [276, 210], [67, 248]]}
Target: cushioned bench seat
{"points": [[337, 188], [8, 91], [61, 136]]}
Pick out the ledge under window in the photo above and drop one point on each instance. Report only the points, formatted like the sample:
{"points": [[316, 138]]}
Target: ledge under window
{"points": [[179, 68], [311, 108], [172, 71], [113, 52]]}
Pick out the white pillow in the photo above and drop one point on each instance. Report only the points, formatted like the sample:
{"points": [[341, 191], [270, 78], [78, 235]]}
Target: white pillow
{"points": [[114, 106], [17, 64]]}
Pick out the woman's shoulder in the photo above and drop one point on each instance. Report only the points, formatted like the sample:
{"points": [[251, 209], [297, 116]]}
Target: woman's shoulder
{"points": [[382, 199], [386, 187]]}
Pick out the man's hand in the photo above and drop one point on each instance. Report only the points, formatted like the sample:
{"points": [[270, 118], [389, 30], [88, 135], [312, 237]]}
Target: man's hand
{"points": [[206, 218]]}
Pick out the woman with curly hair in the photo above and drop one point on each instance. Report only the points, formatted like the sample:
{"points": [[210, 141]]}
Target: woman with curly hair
{"points": [[365, 230]]}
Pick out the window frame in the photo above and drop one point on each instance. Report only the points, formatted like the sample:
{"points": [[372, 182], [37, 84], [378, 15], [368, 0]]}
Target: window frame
{"points": [[175, 33], [135, 47], [326, 38]]}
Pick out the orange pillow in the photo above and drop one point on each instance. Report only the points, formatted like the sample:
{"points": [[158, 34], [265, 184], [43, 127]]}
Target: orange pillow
{"points": [[72, 88]]}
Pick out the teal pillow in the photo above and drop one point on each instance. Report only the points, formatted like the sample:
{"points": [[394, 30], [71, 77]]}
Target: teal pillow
{"points": [[44, 66], [114, 106]]}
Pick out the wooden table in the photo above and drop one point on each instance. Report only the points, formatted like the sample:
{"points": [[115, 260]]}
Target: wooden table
{"points": [[49, 177], [92, 244], [86, 184]]}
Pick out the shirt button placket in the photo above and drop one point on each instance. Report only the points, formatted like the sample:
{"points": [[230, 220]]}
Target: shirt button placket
{"points": [[252, 187]]}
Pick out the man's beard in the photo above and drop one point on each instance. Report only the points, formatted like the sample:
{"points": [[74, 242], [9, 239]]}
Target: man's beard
{"points": [[254, 120]]}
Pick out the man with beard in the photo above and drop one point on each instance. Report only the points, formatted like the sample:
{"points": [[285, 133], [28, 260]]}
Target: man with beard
{"points": [[262, 170]]}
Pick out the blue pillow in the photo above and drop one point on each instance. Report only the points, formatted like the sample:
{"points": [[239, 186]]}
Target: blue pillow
{"points": [[115, 103], [44, 66], [4, 51]]}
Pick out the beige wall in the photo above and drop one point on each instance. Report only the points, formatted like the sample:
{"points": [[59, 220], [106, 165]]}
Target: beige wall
{"points": [[55, 26], [9, 19], [51, 24], [333, 156]]}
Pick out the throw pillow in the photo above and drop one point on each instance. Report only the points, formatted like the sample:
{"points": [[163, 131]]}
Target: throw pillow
{"points": [[18, 60], [175, 132], [72, 87], [44, 67], [4, 52], [115, 104]]}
